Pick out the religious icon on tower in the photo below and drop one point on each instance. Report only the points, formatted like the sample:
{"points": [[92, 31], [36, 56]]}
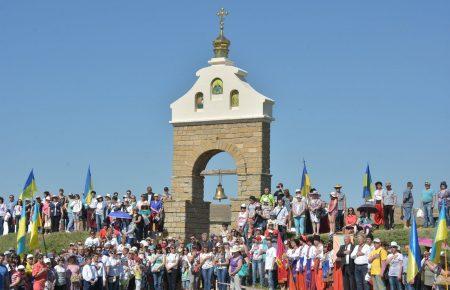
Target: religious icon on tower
{"points": [[217, 87], [234, 98], [199, 101]]}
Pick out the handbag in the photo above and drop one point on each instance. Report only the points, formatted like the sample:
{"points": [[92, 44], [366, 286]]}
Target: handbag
{"points": [[243, 271], [75, 278]]}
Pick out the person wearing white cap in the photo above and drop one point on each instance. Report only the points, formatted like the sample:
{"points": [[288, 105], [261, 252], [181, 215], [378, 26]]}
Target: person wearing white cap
{"points": [[299, 208], [242, 218], [377, 260], [395, 262], [18, 279]]}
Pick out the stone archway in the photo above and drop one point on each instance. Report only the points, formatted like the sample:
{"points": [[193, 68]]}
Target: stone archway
{"points": [[248, 142]]}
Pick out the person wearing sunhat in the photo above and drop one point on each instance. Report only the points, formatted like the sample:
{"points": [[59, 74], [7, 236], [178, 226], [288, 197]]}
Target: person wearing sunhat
{"points": [[299, 208], [389, 203], [395, 262], [236, 263], [341, 207], [315, 207]]}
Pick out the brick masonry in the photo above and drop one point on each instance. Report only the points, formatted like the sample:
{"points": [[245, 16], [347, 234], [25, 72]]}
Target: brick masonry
{"points": [[248, 142]]}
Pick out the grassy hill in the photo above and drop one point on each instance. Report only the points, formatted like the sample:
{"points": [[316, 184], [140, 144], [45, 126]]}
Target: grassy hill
{"points": [[54, 241], [61, 240]]}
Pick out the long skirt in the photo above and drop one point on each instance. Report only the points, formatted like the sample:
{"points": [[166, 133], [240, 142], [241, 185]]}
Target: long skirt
{"points": [[379, 216], [338, 283], [320, 285], [301, 283]]}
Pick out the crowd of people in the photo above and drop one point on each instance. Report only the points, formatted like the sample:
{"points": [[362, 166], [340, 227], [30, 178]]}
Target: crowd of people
{"points": [[267, 246]]}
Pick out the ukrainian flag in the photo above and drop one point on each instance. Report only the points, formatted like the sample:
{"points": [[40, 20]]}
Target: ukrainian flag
{"points": [[88, 187], [36, 222], [30, 187], [441, 236], [306, 182], [22, 231], [414, 266], [368, 188]]}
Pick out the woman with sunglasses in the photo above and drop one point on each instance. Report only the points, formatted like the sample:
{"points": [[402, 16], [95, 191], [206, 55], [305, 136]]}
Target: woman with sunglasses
{"points": [[350, 221]]}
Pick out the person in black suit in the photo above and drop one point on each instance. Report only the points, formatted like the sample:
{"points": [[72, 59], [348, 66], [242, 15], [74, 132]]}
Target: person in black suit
{"points": [[348, 264]]}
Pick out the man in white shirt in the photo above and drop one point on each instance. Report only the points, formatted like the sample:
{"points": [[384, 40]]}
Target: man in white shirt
{"points": [[269, 264], [92, 241], [360, 254], [89, 274]]}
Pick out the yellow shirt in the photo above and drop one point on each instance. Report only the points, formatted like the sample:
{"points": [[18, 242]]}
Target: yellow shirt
{"points": [[375, 268]]}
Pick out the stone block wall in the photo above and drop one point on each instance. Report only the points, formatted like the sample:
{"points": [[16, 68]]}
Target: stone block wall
{"points": [[248, 142]]}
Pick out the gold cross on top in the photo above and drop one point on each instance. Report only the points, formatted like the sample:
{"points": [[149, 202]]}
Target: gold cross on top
{"points": [[221, 14]]}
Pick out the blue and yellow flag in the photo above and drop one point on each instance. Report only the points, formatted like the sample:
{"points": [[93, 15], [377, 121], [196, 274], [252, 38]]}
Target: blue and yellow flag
{"points": [[29, 188], [306, 182], [413, 267], [441, 236], [36, 222], [88, 187], [22, 231], [368, 187]]}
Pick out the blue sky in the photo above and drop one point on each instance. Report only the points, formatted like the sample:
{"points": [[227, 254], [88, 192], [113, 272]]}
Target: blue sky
{"points": [[90, 82]]}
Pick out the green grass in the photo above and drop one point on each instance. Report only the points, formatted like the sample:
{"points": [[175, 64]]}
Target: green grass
{"points": [[61, 240], [400, 235], [54, 242]]}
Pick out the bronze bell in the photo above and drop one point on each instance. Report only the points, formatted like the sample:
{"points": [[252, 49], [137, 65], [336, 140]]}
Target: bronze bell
{"points": [[220, 193]]}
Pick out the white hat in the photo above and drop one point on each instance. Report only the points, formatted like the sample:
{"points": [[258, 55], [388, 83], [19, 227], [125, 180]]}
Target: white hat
{"points": [[98, 196], [107, 244], [243, 205], [47, 197], [21, 267], [298, 190], [376, 240], [30, 256], [144, 243], [235, 249], [47, 260], [394, 244]]}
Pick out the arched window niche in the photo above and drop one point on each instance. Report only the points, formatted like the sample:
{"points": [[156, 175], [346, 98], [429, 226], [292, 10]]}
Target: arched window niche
{"points": [[217, 86], [234, 99], [199, 101]]}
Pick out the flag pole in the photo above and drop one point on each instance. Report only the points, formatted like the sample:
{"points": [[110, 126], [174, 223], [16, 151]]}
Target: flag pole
{"points": [[43, 240], [445, 258]]}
